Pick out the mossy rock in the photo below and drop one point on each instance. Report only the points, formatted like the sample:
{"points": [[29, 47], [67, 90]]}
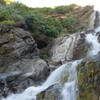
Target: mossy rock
{"points": [[89, 80], [52, 93]]}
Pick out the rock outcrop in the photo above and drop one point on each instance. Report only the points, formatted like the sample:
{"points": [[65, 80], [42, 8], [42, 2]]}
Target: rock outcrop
{"points": [[15, 44], [69, 48]]}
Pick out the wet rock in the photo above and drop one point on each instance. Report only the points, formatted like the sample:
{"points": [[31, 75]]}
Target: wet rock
{"points": [[33, 72], [98, 34], [52, 93], [89, 78]]}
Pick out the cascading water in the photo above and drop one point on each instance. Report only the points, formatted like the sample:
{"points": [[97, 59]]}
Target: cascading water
{"points": [[67, 70], [92, 39], [70, 87]]}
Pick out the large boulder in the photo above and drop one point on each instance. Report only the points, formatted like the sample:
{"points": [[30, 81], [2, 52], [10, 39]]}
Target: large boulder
{"points": [[20, 65], [15, 44], [69, 48], [89, 78], [28, 73]]}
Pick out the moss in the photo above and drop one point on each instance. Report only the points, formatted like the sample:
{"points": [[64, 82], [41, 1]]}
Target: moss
{"points": [[87, 73], [64, 79], [87, 95], [7, 22], [45, 57], [11, 36]]}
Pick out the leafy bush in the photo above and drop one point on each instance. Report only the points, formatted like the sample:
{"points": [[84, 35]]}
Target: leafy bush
{"points": [[48, 26], [53, 27], [70, 23], [34, 23]]}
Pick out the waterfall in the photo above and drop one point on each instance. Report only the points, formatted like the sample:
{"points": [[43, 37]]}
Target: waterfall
{"points": [[66, 70], [92, 39], [70, 87]]}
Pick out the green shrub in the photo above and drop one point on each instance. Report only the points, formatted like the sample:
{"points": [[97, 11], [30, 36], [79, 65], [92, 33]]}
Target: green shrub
{"points": [[49, 26], [15, 11], [52, 27], [69, 22], [34, 23]]}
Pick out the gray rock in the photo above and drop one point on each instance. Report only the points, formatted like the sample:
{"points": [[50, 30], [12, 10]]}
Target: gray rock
{"points": [[18, 78], [69, 48], [15, 44], [52, 93], [98, 34], [20, 66]]}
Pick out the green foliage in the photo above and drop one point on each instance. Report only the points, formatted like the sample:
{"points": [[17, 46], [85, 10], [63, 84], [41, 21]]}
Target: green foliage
{"points": [[15, 11], [35, 23], [63, 9], [52, 28], [69, 22], [41, 20], [72, 25], [48, 26], [45, 57], [7, 22]]}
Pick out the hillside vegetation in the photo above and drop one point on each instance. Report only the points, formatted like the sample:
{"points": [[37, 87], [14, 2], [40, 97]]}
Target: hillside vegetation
{"points": [[52, 22]]}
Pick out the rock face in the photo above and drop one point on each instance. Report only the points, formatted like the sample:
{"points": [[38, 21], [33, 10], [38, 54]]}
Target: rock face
{"points": [[52, 93], [69, 48], [89, 79], [15, 43], [20, 65], [92, 20]]}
